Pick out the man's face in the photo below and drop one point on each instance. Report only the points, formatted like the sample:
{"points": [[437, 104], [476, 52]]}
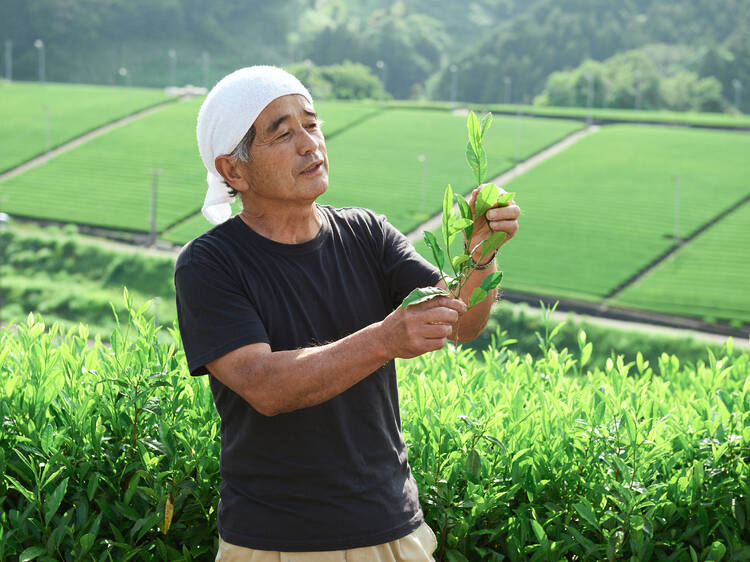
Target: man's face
{"points": [[288, 160]]}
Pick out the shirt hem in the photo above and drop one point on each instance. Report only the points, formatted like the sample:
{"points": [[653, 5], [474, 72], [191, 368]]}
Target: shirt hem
{"points": [[383, 537]]}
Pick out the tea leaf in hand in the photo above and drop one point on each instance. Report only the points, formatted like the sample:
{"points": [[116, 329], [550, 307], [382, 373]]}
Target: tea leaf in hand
{"points": [[473, 159], [492, 281], [486, 199], [437, 252], [486, 122], [493, 243], [423, 294], [505, 199], [458, 261], [475, 133], [477, 296]]}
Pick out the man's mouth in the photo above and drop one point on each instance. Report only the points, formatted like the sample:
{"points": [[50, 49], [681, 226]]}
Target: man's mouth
{"points": [[312, 168]]}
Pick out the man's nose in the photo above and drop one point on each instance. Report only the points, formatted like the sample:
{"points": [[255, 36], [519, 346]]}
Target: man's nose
{"points": [[308, 142]]}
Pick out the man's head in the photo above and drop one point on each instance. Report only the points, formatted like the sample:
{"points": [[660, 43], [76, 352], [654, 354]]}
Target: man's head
{"points": [[226, 118]]}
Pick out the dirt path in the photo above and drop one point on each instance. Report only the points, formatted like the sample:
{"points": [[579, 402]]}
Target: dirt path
{"points": [[514, 172]]}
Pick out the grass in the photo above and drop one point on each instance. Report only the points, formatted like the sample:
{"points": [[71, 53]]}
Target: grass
{"points": [[73, 110], [604, 208], [707, 278]]}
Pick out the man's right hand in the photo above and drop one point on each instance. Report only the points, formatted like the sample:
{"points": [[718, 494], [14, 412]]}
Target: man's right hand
{"points": [[419, 328]]}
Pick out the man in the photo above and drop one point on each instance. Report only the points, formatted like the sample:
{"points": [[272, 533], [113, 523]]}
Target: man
{"points": [[292, 307]]}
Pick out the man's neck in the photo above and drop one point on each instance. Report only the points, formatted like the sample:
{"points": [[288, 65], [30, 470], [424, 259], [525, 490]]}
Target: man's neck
{"points": [[292, 225]]}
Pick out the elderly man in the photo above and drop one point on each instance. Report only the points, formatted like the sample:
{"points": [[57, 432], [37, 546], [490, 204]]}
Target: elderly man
{"points": [[292, 307]]}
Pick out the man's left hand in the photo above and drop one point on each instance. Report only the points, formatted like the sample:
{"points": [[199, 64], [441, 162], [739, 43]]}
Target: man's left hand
{"points": [[499, 219]]}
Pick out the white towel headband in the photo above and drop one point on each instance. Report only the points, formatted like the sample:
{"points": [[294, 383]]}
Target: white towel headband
{"points": [[227, 113]]}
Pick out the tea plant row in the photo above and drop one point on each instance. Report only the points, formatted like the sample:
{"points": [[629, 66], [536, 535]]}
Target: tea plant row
{"points": [[111, 452]]}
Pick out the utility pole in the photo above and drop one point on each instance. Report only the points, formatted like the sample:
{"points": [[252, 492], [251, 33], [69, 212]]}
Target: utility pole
{"points": [[507, 81], [737, 93], [423, 159], [172, 67], [8, 60], [519, 116], [39, 46], [637, 75], [677, 239], [590, 96], [154, 186], [48, 120], [454, 82], [206, 60], [381, 65]]}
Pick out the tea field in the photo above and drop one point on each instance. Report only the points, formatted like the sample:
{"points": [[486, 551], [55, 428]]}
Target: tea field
{"points": [[604, 208], [708, 277], [111, 451], [70, 110]]}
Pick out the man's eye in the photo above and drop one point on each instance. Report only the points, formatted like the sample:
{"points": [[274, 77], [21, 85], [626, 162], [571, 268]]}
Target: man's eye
{"points": [[313, 126]]}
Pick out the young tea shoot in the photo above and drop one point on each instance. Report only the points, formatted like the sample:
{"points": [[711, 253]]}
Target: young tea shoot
{"points": [[464, 223]]}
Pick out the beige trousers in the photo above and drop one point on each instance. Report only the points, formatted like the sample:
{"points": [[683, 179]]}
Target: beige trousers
{"points": [[417, 546]]}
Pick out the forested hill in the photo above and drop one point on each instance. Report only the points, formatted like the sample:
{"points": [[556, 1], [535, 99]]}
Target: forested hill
{"points": [[500, 48]]}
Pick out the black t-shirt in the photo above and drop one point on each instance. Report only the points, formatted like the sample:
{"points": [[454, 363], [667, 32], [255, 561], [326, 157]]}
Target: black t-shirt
{"points": [[328, 477]]}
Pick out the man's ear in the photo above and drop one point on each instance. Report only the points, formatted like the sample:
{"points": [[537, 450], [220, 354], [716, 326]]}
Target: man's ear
{"points": [[228, 167]]}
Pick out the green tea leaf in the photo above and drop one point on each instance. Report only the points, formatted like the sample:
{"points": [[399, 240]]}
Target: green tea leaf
{"points": [[493, 243], [477, 296], [447, 214], [505, 199], [473, 159], [718, 550], [423, 294], [541, 536], [492, 281], [486, 198], [31, 553], [55, 499], [473, 463], [486, 122], [585, 510], [458, 261], [586, 354], [464, 208], [437, 252], [475, 133]]}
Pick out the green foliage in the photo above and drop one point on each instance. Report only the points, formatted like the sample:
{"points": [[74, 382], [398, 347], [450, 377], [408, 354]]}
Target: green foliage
{"points": [[631, 80], [66, 278], [100, 442], [526, 460], [347, 81], [111, 452]]}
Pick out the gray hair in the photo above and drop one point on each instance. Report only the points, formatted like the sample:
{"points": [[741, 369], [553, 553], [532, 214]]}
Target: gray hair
{"points": [[241, 153]]}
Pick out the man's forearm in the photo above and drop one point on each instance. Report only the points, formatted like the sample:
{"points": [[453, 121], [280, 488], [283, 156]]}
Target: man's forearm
{"points": [[283, 381], [275, 382]]}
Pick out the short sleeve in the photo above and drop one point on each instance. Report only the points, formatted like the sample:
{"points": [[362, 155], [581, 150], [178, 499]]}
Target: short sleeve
{"points": [[403, 267], [214, 315]]}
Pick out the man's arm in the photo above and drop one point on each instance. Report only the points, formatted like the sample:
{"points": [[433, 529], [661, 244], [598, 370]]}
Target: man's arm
{"points": [[275, 382], [499, 219]]}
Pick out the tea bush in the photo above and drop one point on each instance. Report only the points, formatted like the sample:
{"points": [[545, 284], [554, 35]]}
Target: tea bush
{"points": [[110, 452]]}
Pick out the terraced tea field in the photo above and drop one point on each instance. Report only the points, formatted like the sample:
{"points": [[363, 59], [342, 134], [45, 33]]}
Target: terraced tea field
{"points": [[107, 181], [708, 277], [70, 109]]}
